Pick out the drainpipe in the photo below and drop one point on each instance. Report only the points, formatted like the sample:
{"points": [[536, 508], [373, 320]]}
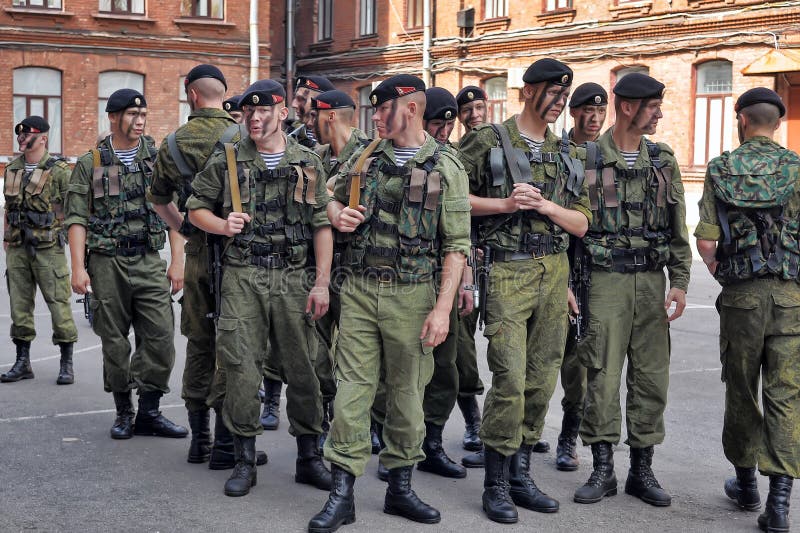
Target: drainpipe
{"points": [[253, 41], [289, 51], [426, 42]]}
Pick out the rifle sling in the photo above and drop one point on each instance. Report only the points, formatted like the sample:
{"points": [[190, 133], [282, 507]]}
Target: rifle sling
{"points": [[355, 174], [233, 178]]}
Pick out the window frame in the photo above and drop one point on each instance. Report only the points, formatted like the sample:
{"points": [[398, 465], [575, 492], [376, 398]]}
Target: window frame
{"points": [[415, 14], [367, 28], [727, 121], [129, 11], [556, 7], [492, 104], [25, 4], [365, 110], [495, 9], [195, 5], [46, 99], [324, 20]]}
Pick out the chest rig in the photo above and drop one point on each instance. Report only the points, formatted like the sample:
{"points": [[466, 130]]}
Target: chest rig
{"points": [[398, 240], [632, 203], [34, 218], [122, 221], [527, 234]]}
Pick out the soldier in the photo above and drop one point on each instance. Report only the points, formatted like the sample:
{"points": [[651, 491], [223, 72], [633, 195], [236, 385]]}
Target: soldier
{"points": [[35, 186], [527, 187], [231, 105], [269, 225], [471, 102], [391, 317], [182, 155], [588, 109], [306, 88], [747, 236], [639, 228], [114, 237]]}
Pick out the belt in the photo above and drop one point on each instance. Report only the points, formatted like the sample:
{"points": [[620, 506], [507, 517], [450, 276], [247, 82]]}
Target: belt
{"points": [[380, 274], [269, 261], [630, 261]]}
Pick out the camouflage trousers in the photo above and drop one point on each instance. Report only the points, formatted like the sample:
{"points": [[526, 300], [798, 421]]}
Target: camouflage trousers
{"points": [[526, 307], [628, 324], [469, 378], [260, 307], [48, 271], [379, 333], [760, 336], [133, 291], [573, 378]]}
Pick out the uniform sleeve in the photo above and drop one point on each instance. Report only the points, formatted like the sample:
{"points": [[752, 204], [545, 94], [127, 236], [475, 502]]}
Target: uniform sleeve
{"points": [[60, 182], [208, 186], [473, 149], [165, 177], [679, 263], [340, 192], [708, 228], [320, 217], [76, 209], [454, 219], [581, 204]]}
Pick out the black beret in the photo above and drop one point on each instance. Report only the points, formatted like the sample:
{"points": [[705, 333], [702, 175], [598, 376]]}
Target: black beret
{"points": [[232, 103], [395, 87], [123, 99], [32, 124], [549, 70], [263, 92], [638, 86], [588, 94], [315, 83], [440, 104], [470, 93], [760, 95], [205, 71], [332, 100]]}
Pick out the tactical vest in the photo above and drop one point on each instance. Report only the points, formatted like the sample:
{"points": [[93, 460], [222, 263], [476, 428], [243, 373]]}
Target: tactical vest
{"points": [[759, 215], [122, 221], [281, 204], [612, 215], [398, 240], [520, 235], [33, 218]]}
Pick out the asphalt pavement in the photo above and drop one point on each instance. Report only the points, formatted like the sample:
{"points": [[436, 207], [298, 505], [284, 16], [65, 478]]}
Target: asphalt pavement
{"points": [[60, 471]]}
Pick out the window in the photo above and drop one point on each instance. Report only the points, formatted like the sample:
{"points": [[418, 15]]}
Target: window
{"points": [[122, 7], [44, 4], [554, 5], [37, 91], [495, 9], [713, 110], [324, 20], [365, 110], [183, 102], [107, 83], [624, 71], [366, 17], [213, 9], [414, 13], [497, 95]]}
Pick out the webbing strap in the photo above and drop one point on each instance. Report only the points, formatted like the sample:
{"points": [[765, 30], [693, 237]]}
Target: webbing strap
{"points": [[434, 189], [177, 157], [591, 180], [609, 188], [356, 174], [416, 185], [233, 178]]}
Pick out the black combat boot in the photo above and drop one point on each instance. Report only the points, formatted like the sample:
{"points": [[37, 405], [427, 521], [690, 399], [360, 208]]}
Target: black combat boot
{"points": [[150, 421], [376, 437], [340, 509], [641, 481], [400, 500], [497, 502], [566, 451], [200, 447], [222, 457], [309, 468], [383, 472], [244, 474], [66, 375], [22, 367], [271, 415], [474, 460], [436, 460], [524, 491], [327, 418], [603, 481], [123, 424], [743, 489], [541, 446], [472, 423], [775, 518]]}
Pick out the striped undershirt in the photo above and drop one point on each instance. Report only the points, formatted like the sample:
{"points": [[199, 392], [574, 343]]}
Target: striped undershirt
{"points": [[630, 158], [535, 146], [402, 155], [310, 135], [126, 156], [30, 167], [271, 160]]}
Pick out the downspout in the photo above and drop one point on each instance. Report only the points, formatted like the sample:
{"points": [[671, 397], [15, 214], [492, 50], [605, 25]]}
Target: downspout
{"points": [[289, 51], [253, 41], [426, 42]]}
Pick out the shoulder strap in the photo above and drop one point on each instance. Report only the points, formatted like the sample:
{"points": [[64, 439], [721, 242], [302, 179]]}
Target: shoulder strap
{"points": [[355, 173], [230, 132], [177, 157], [233, 177], [512, 161]]}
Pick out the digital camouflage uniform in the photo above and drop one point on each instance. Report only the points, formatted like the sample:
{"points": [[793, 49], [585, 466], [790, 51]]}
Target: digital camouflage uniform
{"points": [[128, 277], [626, 302], [527, 292], [196, 141], [265, 284], [35, 256], [469, 379], [759, 305], [385, 301]]}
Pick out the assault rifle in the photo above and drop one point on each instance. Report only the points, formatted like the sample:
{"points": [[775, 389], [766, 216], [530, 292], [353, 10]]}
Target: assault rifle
{"points": [[215, 273], [483, 258], [580, 280]]}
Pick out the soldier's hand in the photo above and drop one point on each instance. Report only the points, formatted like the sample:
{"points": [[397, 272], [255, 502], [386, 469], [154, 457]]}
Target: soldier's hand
{"points": [[175, 276], [526, 196], [712, 267], [318, 302], [572, 303], [81, 284], [465, 301], [679, 297], [235, 222], [435, 328], [347, 220]]}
